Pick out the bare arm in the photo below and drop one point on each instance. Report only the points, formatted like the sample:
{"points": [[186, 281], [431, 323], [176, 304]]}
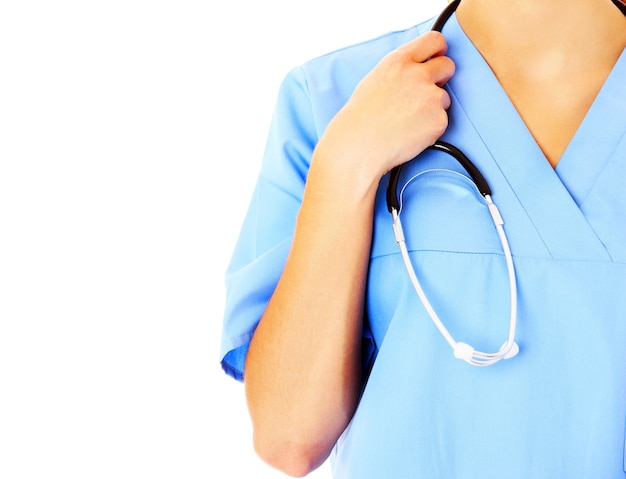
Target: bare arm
{"points": [[302, 372]]}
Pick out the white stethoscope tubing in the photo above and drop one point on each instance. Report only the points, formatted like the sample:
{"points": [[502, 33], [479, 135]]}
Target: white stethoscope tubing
{"points": [[463, 350]]}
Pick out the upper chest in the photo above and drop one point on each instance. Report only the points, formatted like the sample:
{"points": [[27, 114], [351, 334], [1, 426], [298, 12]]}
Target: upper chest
{"points": [[553, 96]]}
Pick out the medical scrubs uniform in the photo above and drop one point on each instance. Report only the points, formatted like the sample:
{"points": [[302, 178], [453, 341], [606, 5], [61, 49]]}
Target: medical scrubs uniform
{"points": [[557, 409]]}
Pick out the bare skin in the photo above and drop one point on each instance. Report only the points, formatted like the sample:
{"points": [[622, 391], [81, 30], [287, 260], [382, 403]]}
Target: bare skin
{"points": [[564, 52], [300, 407], [302, 373]]}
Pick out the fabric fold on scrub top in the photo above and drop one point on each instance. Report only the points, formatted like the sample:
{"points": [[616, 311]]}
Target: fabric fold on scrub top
{"points": [[556, 410]]}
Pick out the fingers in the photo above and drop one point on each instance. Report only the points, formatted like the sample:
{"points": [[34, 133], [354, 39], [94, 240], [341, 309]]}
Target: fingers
{"points": [[429, 52], [439, 69], [429, 45], [445, 99], [399, 106]]}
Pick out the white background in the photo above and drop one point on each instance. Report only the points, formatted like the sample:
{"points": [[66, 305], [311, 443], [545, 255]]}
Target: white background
{"points": [[130, 137]]}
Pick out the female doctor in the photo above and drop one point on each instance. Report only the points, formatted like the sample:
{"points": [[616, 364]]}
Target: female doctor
{"points": [[337, 351]]}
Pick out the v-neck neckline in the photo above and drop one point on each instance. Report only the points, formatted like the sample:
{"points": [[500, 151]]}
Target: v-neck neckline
{"points": [[599, 104], [537, 135], [550, 196], [591, 147]]}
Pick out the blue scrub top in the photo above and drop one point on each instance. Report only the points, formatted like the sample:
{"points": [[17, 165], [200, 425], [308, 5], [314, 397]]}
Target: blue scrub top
{"points": [[558, 409]]}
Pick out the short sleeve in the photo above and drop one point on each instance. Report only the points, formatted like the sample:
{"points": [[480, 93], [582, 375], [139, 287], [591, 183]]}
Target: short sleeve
{"points": [[308, 98], [266, 234]]}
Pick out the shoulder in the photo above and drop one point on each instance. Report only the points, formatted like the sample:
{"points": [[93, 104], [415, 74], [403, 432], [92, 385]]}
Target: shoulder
{"points": [[329, 80], [364, 55]]}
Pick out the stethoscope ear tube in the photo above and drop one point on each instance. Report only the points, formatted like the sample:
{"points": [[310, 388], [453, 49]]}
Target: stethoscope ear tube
{"points": [[393, 203], [479, 180], [444, 15], [474, 172]]}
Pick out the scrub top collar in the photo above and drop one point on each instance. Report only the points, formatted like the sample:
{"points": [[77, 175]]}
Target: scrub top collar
{"points": [[549, 196]]}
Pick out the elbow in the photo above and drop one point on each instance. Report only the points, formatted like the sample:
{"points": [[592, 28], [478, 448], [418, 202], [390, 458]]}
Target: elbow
{"points": [[292, 457]]}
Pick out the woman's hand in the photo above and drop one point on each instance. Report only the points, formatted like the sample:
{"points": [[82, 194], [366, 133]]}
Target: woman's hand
{"points": [[396, 111], [303, 369]]}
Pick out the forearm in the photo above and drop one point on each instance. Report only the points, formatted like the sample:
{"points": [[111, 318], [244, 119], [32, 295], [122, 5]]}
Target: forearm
{"points": [[303, 369], [302, 372]]}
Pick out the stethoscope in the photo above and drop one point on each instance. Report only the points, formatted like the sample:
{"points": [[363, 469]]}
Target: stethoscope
{"points": [[461, 350]]}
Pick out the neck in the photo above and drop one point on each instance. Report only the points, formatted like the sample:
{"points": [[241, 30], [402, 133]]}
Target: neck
{"points": [[550, 56], [534, 25]]}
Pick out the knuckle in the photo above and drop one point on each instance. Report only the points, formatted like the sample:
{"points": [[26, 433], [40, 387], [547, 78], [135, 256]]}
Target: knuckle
{"points": [[435, 37], [443, 98], [392, 64], [436, 40], [436, 98], [449, 65], [440, 123]]}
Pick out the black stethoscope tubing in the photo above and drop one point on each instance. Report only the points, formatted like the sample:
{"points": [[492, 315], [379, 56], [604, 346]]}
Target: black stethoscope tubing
{"points": [[393, 201]]}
